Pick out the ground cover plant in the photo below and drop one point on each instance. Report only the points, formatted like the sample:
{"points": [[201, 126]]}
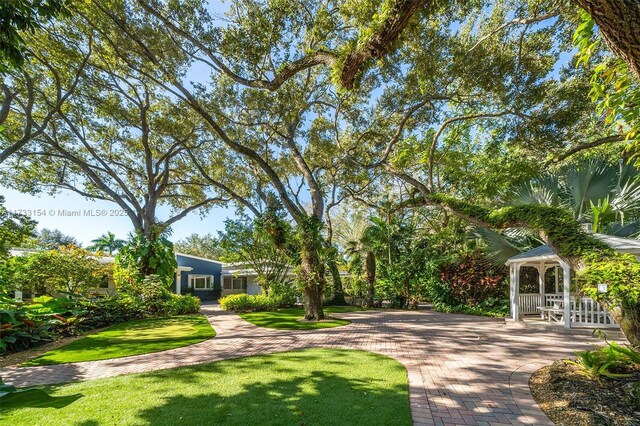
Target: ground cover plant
{"points": [[25, 325], [298, 387], [131, 338], [291, 318], [568, 396]]}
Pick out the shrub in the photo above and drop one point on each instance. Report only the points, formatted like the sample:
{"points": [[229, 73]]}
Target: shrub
{"points": [[142, 257], [182, 304], [150, 293], [283, 294], [472, 279], [51, 272], [243, 302]]}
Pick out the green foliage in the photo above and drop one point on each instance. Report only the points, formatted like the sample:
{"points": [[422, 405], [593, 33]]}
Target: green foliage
{"points": [[614, 87], [68, 269], [52, 239], [442, 300], [142, 257], [558, 225], [107, 243], [243, 302], [621, 273], [598, 364], [15, 229], [206, 246], [247, 241], [284, 294], [632, 355], [473, 279], [182, 304], [18, 17], [24, 325]]}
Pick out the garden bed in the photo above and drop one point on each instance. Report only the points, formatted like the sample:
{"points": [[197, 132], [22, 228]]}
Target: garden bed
{"points": [[16, 358], [569, 397]]}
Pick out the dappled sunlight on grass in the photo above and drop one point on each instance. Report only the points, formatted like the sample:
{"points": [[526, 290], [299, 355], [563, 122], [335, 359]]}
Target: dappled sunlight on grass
{"points": [[132, 338], [291, 318], [313, 386]]}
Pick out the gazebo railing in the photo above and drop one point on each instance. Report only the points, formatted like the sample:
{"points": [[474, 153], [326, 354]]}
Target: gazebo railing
{"points": [[585, 312], [529, 303]]}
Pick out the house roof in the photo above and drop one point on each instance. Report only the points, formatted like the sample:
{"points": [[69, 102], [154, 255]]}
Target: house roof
{"points": [[199, 258], [544, 253]]}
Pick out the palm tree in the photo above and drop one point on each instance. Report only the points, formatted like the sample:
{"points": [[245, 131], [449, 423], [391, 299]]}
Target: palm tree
{"points": [[596, 192], [107, 243]]}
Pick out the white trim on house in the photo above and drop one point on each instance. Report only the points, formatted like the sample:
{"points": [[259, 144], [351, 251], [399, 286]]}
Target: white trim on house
{"points": [[199, 258], [209, 281]]}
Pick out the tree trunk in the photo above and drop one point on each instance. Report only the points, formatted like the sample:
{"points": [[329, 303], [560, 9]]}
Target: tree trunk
{"points": [[312, 274], [619, 24], [313, 303], [338, 290], [370, 266], [628, 318]]}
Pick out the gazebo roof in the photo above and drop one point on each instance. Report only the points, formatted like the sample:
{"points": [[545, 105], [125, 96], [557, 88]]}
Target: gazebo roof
{"points": [[545, 253]]}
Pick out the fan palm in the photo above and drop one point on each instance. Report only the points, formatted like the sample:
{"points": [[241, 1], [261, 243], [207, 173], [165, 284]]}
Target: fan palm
{"points": [[606, 195], [584, 189]]}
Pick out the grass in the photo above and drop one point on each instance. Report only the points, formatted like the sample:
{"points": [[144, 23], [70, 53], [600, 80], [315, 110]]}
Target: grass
{"points": [[289, 318], [312, 387], [131, 338]]}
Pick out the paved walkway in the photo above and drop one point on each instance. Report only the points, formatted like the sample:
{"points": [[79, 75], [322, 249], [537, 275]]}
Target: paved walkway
{"points": [[462, 370]]}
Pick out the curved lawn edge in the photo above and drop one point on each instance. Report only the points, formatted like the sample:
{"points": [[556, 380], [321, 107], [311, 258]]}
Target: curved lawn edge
{"points": [[130, 338], [290, 318], [302, 386]]}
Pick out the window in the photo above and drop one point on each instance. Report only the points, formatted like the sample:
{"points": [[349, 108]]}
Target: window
{"points": [[201, 282], [233, 283]]}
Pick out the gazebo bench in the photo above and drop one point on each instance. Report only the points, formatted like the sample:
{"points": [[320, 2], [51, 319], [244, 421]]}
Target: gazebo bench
{"points": [[551, 312]]}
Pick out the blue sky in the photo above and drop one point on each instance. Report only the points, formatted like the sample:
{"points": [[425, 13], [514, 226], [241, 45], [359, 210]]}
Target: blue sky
{"points": [[87, 225], [50, 211], [47, 209]]}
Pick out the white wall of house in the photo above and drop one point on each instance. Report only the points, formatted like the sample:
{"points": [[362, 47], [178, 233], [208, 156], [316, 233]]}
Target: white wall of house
{"points": [[252, 286]]}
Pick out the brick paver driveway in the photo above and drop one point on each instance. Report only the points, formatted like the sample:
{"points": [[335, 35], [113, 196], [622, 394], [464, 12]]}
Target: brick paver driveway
{"points": [[462, 370]]}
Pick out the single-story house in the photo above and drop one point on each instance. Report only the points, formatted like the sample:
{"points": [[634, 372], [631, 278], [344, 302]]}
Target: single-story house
{"points": [[205, 278], [555, 301], [209, 279]]}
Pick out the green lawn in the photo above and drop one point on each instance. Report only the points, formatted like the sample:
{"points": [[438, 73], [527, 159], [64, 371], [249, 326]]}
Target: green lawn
{"points": [[312, 387], [131, 338], [289, 318]]}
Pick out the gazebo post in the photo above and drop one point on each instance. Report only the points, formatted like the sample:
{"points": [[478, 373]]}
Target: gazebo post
{"points": [[566, 284], [514, 284], [541, 273]]}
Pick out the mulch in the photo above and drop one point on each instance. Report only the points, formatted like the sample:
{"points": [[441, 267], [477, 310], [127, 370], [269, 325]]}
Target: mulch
{"points": [[570, 398]]}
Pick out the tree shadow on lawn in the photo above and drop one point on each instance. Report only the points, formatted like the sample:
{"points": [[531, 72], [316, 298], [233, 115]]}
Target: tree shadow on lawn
{"points": [[129, 339], [318, 398], [35, 398], [110, 348], [297, 387]]}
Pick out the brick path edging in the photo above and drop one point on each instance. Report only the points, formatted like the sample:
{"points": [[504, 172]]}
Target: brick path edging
{"points": [[521, 392]]}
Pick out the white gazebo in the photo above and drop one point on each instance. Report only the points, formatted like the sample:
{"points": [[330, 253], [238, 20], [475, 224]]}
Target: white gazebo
{"points": [[560, 306]]}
